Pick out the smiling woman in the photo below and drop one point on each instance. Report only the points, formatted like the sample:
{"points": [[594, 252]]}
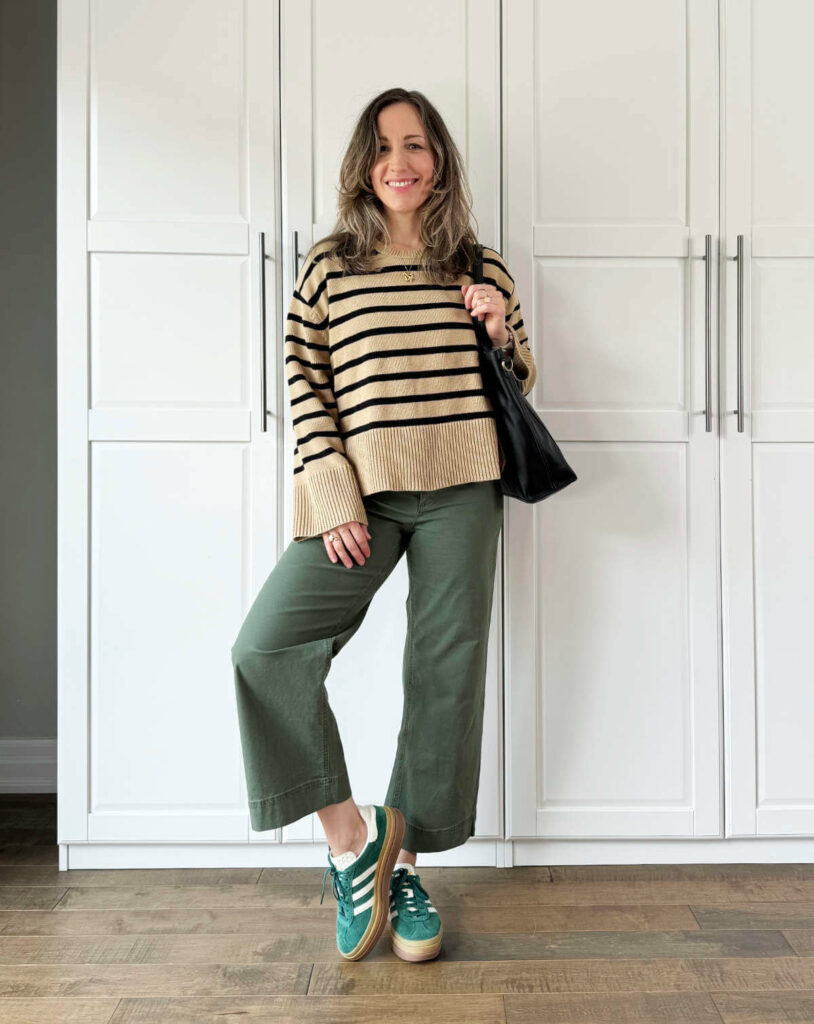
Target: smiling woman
{"points": [[396, 452]]}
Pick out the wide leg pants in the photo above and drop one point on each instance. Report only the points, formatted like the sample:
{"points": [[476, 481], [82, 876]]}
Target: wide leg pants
{"points": [[308, 609]]}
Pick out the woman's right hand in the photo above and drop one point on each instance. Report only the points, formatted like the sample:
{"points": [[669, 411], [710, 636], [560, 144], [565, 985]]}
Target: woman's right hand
{"points": [[348, 539]]}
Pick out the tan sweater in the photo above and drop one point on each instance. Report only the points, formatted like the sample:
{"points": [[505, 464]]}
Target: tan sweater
{"points": [[385, 385]]}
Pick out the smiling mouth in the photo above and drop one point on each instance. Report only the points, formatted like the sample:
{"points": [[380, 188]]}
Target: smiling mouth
{"points": [[395, 183]]}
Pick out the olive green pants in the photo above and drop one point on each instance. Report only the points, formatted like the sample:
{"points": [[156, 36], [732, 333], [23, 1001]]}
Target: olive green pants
{"points": [[308, 609]]}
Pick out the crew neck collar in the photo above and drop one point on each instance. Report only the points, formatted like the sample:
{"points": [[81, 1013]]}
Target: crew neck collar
{"points": [[399, 250]]}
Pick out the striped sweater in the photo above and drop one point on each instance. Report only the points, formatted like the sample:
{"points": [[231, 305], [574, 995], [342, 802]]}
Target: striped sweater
{"points": [[385, 385]]}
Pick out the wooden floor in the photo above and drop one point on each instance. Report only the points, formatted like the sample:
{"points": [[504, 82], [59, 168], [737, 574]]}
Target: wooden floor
{"points": [[605, 945]]}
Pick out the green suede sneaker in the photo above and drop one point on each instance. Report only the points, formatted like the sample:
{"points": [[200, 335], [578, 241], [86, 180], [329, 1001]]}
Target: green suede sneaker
{"points": [[415, 924], [361, 889]]}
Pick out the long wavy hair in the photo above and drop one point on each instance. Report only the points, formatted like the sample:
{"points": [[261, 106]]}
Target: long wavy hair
{"points": [[445, 216]]}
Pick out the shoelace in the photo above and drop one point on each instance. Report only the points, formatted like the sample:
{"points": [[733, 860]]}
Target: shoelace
{"points": [[340, 892], [410, 893]]}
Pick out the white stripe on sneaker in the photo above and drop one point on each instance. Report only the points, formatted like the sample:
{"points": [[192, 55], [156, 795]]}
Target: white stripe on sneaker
{"points": [[364, 874], [364, 906], [360, 891], [364, 890]]}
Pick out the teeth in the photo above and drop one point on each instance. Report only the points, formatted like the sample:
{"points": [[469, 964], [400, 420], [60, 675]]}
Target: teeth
{"points": [[401, 184]]}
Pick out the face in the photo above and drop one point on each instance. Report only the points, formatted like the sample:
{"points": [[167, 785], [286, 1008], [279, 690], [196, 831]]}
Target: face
{"points": [[404, 155]]}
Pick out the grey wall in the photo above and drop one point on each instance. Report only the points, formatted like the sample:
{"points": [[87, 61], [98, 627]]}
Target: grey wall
{"points": [[28, 434]]}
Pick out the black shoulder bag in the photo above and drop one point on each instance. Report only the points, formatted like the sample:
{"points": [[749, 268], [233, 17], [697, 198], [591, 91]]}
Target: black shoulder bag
{"points": [[534, 465]]}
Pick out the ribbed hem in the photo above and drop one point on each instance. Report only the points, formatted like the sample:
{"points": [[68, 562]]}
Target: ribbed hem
{"points": [[426, 457], [325, 499]]}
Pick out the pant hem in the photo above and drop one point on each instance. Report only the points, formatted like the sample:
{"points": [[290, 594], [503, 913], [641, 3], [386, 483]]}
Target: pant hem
{"points": [[422, 840], [276, 811]]}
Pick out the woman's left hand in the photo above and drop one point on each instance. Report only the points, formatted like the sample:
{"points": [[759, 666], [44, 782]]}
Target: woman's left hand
{"points": [[486, 302]]}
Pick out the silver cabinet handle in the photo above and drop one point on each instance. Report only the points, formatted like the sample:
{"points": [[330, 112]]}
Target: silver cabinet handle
{"points": [[739, 409], [708, 330], [295, 255], [265, 411]]}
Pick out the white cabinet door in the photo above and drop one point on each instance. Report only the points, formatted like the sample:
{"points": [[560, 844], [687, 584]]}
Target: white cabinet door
{"points": [[767, 453], [334, 59], [611, 119], [166, 465]]}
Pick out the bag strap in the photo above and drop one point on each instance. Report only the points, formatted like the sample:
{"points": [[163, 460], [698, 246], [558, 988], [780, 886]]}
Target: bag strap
{"points": [[482, 337], [477, 266]]}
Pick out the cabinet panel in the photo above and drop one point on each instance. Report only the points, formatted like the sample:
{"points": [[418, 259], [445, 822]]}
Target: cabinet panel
{"points": [[168, 132], [169, 330], [612, 618], [630, 355], [609, 111], [168, 523], [783, 484], [767, 459], [615, 721], [166, 464], [775, 50]]}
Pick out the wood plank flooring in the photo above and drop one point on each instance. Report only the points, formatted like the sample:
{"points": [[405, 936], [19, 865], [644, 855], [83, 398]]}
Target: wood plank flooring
{"points": [[717, 944]]}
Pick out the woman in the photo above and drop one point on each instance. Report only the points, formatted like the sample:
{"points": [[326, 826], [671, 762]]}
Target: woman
{"points": [[396, 452]]}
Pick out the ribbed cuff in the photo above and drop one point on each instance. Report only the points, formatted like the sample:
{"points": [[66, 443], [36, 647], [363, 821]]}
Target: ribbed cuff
{"points": [[523, 355], [325, 499]]}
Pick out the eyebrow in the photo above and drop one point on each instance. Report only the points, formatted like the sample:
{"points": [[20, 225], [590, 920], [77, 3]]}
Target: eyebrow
{"points": [[384, 137]]}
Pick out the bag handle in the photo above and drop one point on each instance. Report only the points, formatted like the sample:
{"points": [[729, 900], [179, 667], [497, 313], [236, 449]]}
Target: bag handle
{"points": [[477, 277]]}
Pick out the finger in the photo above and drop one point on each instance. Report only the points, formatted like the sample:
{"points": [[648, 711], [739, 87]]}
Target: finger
{"points": [[339, 548], [484, 304], [330, 549], [358, 533], [352, 546]]}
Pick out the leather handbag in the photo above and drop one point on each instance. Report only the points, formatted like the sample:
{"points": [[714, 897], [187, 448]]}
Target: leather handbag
{"points": [[534, 467]]}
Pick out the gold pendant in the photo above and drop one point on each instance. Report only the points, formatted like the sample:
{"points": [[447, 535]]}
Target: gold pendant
{"points": [[409, 275]]}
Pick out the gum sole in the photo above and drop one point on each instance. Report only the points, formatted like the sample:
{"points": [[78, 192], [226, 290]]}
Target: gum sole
{"points": [[426, 949], [394, 833]]}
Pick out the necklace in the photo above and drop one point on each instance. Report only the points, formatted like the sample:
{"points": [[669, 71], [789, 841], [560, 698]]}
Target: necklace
{"points": [[409, 275]]}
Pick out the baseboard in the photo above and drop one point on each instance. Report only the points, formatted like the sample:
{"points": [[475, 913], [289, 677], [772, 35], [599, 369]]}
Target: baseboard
{"points": [[482, 852]]}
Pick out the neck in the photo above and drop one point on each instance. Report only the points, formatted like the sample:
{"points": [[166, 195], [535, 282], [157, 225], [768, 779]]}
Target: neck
{"points": [[404, 233]]}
